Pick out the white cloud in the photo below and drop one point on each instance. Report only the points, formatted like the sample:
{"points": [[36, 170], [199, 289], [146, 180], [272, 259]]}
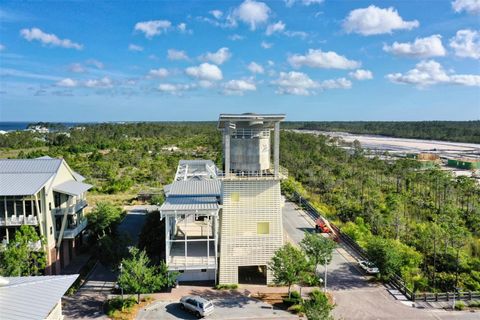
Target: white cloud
{"points": [[361, 74], [430, 72], [374, 20], [470, 6], [295, 83], [238, 87], [321, 59], [158, 73], [97, 64], [182, 28], [153, 27], [217, 14], [340, 83], [300, 34], [49, 39], [420, 48], [2, 47], [290, 3], [173, 88], [235, 37], [252, 13], [254, 67], [173, 54], [77, 68], [104, 82], [205, 71], [134, 47], [275, 27], [219, 57], [266, 45], [67, 83], [466, 44]]}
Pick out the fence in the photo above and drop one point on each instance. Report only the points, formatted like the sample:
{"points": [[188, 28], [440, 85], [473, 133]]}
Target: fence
{"points": [[359, 253]]}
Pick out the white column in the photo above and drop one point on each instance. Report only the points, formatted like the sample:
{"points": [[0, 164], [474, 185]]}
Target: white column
{"points": [[167, 238], [276, 148], [208, 240], [226, 135], [185, 236]]}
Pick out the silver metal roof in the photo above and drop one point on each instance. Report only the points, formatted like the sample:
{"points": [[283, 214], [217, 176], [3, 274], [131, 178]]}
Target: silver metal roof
{"points": [[18, 184], [73, 188], [25, 298], [194, 188], [196, 169], [29, 165], [190, 204]]}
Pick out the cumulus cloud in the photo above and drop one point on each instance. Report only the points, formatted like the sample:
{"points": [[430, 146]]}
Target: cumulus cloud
{"points": [[104, 82], [320, 59], [420, 48], [466, 44], [254, 67], [361, 74], [275, 27], [158, 73], [252, 13], [49, 39], [134, 47], [77, 68], [67, 83], [238, 87], [374, 20], [470, 6], [205, 71], [290, 3], [295, 83], [266, 45], [174, 88], [173, 54], [340, 83], [235, 37], [217, 14], [430, 72], [219, 57], [97, 64], [153, 27]]}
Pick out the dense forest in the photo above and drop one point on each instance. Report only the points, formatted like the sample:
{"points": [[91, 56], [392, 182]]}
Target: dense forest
{"points": [[422, 224], [459, 131]]}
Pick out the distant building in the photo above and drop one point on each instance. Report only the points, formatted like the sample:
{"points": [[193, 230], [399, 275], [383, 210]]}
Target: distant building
{"points": [[226, 225], [33, 298], [47, 194]]}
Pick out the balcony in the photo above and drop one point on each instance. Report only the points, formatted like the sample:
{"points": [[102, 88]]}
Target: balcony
{"points": [[73, 230], [195, 258], [34, 246], [255, 175], [72, 209], [18, 221]]}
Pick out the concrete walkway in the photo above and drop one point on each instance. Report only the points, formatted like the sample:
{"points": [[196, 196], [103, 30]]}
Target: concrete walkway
{"points": [[88, 302]]}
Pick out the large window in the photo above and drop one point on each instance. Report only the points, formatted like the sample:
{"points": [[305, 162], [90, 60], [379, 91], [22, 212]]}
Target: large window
{"points": [[263, 228]]}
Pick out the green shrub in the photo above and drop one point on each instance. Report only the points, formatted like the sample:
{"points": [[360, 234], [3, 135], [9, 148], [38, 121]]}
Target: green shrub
{"points": [[226, 286], [474, 304], [119, 304], [296, 308], [295, 298], [460, 305]]}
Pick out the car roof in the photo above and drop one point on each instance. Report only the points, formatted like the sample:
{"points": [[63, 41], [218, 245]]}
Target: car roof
{"points": [[197, 298]]}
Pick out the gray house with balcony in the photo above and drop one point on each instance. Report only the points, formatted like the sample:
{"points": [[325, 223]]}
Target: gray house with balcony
{"points": [[47, 194]]}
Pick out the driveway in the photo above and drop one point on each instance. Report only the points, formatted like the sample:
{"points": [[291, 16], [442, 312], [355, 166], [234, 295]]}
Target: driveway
{"points": [[355, 296], [228, 305]]}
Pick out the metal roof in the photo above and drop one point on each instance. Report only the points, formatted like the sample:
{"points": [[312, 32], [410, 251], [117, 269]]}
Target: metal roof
{"points": [[73, 188], [25, 298], [224, 118], [194, 188], [190, 204], [29, 165], [196, 169], [18, 184]]}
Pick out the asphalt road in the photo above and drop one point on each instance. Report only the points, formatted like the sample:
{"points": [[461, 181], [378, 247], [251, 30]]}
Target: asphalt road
{"points": [[355, 296]]}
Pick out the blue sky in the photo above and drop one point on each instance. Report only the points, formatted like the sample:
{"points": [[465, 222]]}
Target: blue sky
{"points": [[191, 60]]}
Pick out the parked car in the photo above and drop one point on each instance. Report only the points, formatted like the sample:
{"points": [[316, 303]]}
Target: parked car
{"points": [[368, 266], [199, 306]]}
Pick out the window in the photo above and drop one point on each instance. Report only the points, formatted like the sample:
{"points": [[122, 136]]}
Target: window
{"points": [[204, 270], [235, 197], [263, 228], [50, 206], [51, 230]]}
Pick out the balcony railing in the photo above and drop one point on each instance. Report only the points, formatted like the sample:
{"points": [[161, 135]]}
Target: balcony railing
{"points": [[263, 174], [73, 230], [72, 209], [19, 220], [34, 246]]}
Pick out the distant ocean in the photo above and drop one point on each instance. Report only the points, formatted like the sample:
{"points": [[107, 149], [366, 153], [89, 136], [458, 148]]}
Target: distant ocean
{"points": [[13, 126]]}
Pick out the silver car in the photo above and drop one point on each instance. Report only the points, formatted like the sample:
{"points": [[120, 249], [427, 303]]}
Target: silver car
{"points": [[369, 267], [199, 306]]}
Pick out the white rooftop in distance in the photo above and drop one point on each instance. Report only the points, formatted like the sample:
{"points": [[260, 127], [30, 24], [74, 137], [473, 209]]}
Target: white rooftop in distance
{"points": [[196, 170]]}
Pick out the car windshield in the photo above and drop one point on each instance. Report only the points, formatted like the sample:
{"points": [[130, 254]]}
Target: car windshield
{"points": [[208, 305]]}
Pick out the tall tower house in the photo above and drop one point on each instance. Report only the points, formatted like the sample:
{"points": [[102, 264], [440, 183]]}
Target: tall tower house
{"points": [[251, 219]]}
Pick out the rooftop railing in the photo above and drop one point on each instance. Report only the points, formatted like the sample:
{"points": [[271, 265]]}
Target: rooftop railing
{"points": [[262, 174]]}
